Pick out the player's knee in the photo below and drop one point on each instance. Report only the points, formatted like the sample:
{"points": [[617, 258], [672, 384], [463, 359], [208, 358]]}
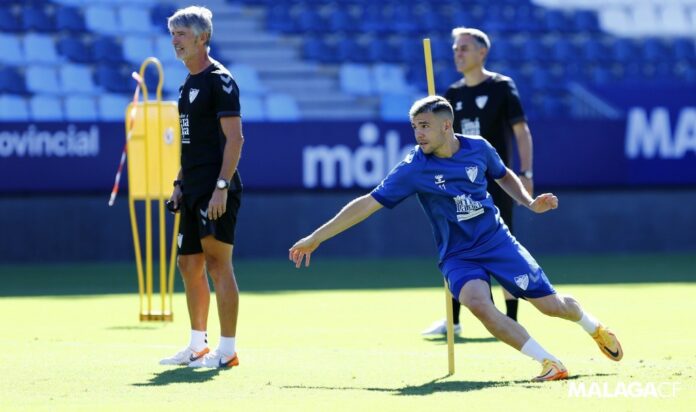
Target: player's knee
{"points": [[552, 307], [479, 307], [189, 266]]}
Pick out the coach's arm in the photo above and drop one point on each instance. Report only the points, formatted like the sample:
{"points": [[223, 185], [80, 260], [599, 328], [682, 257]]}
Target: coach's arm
{"points": [[513, 187], [352, 213]]}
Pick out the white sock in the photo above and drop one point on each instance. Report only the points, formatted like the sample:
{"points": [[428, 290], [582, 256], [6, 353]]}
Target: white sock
{"points": [[199, 340], [227, 346], [588, 322], [532, 349]]}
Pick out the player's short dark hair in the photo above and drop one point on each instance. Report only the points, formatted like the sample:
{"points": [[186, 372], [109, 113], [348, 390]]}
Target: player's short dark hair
{"points": [[481, 38], [436, 105], [198, 18]]}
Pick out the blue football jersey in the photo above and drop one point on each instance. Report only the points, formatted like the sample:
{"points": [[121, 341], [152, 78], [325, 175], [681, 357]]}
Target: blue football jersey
{"points": [[452, 192]]}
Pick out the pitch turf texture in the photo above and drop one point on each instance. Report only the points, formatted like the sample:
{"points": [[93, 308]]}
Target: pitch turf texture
{"points": [[344, 336]]}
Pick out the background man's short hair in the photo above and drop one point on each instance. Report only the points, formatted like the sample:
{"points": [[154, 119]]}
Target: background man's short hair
{"points": [[437, 105], [198, 18], [480, 37]]}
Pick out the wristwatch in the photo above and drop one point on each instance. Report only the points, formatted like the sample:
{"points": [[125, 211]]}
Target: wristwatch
{"points": [[527, 174], [222, 184]]}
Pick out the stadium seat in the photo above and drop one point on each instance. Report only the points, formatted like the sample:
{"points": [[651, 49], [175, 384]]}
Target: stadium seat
{"points": [[247, 79], [380, 50], [13, 108], [340, 21], [281, 107], [9, 21], [624, 50], [76, 79], [42, 79], [585, 21], [46, 108], [106, 49], [252, 108], [80, 108], [37, 18], [395, 107], [308, 20], [12, 50], [355, 79], [74, 49], [279, 19], [164, 50], [12, 81], [40, 48], [102, 19], [683, 49], [70, 19], [136, 20], [174, 76], [654, 50], [159, 14], [389, 78], [137, 48], [349, 50], [114, 79], [112, 107]]}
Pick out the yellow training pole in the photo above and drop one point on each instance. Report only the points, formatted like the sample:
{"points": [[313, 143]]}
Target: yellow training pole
{"points": [[448, 296]]}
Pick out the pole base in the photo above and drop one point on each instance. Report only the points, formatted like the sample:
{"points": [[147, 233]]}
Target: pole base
{"points": [[156, 316]]}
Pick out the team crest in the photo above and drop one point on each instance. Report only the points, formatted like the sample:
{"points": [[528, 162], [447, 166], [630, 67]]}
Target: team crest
{"points": [[440, 181], [472, 172], [458, 106], [522, 281], [192, 94], [481, 101]]}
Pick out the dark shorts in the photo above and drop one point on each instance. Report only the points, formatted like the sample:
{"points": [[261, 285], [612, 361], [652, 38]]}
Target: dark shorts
{"points": [[195, 224], [509, 263]]}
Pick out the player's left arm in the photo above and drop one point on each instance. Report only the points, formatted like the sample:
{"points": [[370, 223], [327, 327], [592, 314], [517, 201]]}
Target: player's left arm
{"points": [[524, 146], [513, 186], [232, 129]]}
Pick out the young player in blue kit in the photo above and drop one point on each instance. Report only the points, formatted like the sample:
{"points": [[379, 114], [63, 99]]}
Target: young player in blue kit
{"points": [[448, 173]]}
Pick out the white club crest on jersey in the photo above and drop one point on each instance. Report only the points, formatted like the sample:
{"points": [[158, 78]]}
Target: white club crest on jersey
{"points": [[481, 101], [522, 281], [458, 106], [440, 182], [192, 94], [472, 172]]}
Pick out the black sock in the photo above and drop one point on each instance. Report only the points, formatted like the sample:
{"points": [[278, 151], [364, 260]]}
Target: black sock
{"points": [[456, 308], [511, 308]]}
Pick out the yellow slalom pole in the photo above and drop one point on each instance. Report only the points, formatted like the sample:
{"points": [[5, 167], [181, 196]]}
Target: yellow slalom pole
{"points": [[448, 296]]}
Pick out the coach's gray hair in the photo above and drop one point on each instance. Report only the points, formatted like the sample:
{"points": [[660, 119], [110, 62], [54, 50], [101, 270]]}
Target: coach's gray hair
{"points": [[436, 105], [198, 18], [480, 37]]}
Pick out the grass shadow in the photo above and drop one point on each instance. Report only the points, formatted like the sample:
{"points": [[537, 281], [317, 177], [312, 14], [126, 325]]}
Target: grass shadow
{"points": [[437, 385], [180, 375], [442, 340]]}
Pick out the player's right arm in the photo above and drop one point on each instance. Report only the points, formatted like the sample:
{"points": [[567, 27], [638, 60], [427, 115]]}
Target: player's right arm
{"points": [[352, 213], [176, 192]]}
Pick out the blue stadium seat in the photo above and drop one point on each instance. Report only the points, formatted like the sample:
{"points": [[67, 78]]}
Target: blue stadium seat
{"points": [[684, 49], [40, 48], [314, 48], [137, 48], [252, 108], [102, 19], [12, 50], [112, 107], [46, 108], [349, 50], [395, 107], [404, 22], [75, 49], [76, 79], [593, 50], [380, 50], [37, 18], [9, 21], [308, 20], [372, 20], [247, 79], [106, 49], [340, 21], [13, 108], [112, 78], [159, 14], [389, 78], [282, 107], [12, 81], [556, 20], [42, 79], [445, 76], [355, 79], [585, 21], [654, 50], [136, 20], [70, 19], [624, 50], [279, 19], [534, 50], [164, 50], [563, 50], [174, 76], [80, 108]]}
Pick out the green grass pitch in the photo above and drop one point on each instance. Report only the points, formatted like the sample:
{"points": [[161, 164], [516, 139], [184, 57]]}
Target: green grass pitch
{"points": [[344, 336]]}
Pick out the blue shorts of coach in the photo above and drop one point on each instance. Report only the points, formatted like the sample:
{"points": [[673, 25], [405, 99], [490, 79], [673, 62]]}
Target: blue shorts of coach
{"points": [[509, 263]]}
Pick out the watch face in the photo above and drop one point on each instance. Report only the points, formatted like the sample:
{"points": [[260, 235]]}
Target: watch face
{"points": [[221, 184]]}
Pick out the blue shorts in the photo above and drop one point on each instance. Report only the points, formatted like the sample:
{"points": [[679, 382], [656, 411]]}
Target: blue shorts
{"points": [[509, 263]]}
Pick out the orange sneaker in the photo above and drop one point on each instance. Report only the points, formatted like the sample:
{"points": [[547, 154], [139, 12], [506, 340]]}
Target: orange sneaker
{"points": [[185, 357], [551, 371], [214, 360], [608, 343]]}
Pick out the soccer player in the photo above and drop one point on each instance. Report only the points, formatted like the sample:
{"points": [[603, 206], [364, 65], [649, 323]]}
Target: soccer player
{"points": [[207, 189], [447, 172], [487, 104]]}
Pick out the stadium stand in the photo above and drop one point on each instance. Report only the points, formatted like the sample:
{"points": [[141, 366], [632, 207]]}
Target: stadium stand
{"points": [[347, 59]]}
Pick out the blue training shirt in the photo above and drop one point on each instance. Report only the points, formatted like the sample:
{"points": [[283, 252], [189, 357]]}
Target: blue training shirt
{"points": [[452, 192]]}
